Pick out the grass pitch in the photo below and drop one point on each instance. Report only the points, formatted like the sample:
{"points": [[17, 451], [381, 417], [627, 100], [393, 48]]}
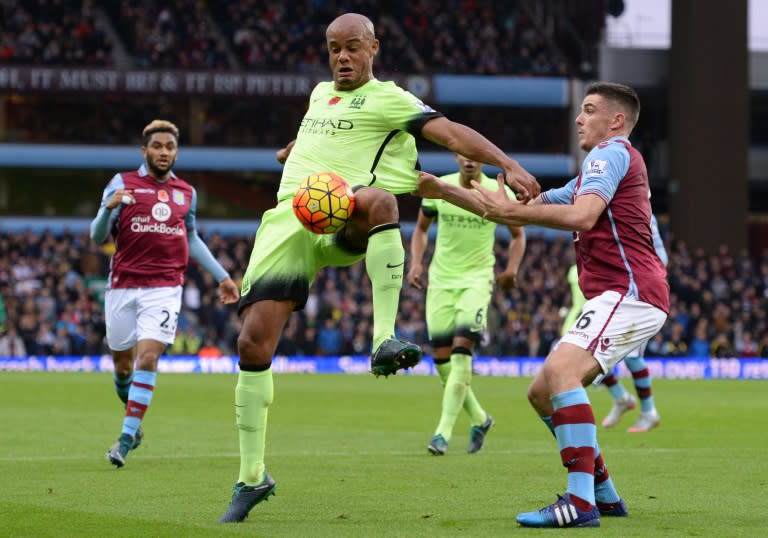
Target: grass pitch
{"points": [[349, 457]]}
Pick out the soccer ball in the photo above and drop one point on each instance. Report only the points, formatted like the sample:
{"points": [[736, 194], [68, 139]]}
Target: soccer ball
{"points": [[324, 203]]}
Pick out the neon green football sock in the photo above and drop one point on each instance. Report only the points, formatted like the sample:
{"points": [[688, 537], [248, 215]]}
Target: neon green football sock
{"points": [[253, 394], [443, 370], [477, 414], [384, 262], [454, 393]]}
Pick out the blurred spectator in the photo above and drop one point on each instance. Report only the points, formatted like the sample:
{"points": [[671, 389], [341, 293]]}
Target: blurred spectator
{"points": [[191, 296], [700, 343], [746, 346], [188, 342], [762, 348], [721, 347], [675, 345], [655, 346], [329, 338], [209, 350], [11, 344]]}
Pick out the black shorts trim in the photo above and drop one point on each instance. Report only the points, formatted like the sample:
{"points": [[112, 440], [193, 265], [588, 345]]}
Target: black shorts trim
{"points": [[295, 289]]}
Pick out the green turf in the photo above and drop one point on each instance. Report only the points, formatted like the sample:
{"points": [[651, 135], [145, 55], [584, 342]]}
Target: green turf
{"points": [[349, 457]]}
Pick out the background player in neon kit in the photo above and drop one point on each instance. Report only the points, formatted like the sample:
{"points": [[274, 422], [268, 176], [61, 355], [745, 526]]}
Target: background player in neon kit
{"points": [[460, 287], [150, 212], [620, 274], [577, 299], [363, 130]]}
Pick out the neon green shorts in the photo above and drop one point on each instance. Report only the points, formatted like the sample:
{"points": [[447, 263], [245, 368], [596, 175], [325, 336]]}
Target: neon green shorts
{"points": [[457, 312], [286, 257]]}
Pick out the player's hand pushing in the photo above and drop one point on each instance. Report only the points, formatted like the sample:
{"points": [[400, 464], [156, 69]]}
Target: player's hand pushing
{"points": [[522, 182], [497, 206], [228, 291]]}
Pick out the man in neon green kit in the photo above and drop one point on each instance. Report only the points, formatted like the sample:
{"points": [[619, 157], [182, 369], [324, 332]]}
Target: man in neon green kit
{"points": [[363, 130], [577, 299], [460, 287]]}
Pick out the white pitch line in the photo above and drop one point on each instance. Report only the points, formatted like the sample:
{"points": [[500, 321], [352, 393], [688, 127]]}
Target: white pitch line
{"points": [[145, 455]]}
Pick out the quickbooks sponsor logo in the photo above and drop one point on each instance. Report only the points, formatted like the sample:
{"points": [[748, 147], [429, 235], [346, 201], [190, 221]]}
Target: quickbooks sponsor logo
{"points": [[157, 228]]}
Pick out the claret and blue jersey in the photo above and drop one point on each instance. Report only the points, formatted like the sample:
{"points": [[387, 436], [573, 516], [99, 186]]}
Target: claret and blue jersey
{"points": [[618, 253], [155, 235]]}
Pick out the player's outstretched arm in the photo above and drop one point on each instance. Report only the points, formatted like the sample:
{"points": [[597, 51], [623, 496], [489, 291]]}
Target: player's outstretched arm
{"points": [[430, 186], [473, 145], [507, 279], [228, 290], [577, 217], [491, 205], [419, 240]]}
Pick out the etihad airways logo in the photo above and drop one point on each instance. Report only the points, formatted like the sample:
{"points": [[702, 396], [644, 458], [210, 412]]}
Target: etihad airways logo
{"points": [[465, 221], [324, 125]]}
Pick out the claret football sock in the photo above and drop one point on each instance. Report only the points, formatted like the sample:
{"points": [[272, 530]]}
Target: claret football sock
{"points": [[139, 399], [614, 386], [605, 491], [576, 436], [642, 378]]}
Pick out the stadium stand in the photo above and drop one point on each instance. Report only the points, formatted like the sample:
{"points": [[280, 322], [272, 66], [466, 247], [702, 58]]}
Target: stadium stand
{"points": [[179, 34], [53, 32], [459, 36], [51, 288]]}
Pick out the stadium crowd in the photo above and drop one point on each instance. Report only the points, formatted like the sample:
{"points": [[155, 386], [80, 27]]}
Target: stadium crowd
{"points": [[51, 294], [52, 32], [171, 35], [455, 36]]}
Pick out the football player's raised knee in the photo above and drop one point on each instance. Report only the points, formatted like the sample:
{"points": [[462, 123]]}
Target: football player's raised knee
{"points": [[374, 207]]}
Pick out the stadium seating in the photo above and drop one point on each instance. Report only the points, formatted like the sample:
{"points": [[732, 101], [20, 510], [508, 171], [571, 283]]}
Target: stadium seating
{"points": [[469, 37], [52, 288]]}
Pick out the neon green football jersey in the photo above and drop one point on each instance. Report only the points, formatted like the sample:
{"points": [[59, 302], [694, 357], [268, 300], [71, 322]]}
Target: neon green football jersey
{"points": [[463, 253], [365, 136]]}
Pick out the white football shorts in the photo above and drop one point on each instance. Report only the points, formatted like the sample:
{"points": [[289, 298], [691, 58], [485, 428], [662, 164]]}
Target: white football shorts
{"points": [[612, 326], [134, 314]]}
